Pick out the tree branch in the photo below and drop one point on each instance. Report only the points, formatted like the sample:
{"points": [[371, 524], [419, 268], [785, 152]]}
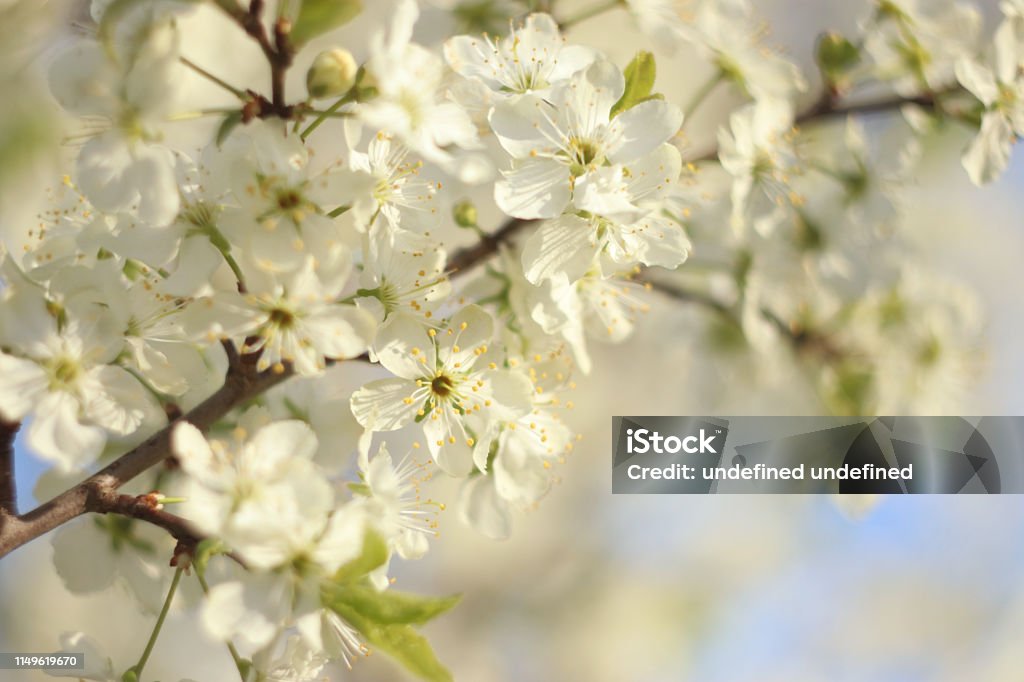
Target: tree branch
{"points": [[463, 260], [8, 489], [802, 340], [279, 53], [98, 492], [826, 107], [242, 383], [829, 106]]}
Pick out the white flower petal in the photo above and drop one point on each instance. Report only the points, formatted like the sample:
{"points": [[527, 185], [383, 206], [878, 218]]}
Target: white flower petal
{"points": [[642, 129], [380, 405], [989, 153], [58, 435], [563, 246], [534, 188], [480, 507], [22, 383], [73, 542], [395, 342]]}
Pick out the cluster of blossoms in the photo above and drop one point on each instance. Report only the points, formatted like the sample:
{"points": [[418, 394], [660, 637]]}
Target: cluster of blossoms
{"points": [[314, 244]]}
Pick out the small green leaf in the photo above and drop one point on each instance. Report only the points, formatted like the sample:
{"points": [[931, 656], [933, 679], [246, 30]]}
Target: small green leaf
{"points": [[400, 642], [390, 607], [640, 76], [836, 56], [373, 556], [206, 550], [317, 17], [227, 125]]}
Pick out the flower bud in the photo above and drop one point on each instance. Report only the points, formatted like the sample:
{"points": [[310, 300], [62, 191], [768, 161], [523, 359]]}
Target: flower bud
{"points": [[465, 214], [332, 74]]}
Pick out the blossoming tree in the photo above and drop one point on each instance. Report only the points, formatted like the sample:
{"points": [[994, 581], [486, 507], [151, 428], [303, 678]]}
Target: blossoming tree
{"points": [[179, 322]]}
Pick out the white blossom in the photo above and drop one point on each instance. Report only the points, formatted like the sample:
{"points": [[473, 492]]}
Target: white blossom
{"points": [[557, 145], [1000, 88], [439, 380]]}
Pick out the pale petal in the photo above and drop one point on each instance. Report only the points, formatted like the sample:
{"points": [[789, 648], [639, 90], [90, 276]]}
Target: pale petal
{"points": [[342, 541], [340, 331], [481, 508], [394, 346], [469, 56], [278, 443], [510, 393], [655, 240], [448, 442], [192, 449], [471, 328], [585, 102], [121, 403], [57, 434], [83, 539], [534, 188], [525, 125], [83, 80], [22, 384], [989, 153], [979, 79], [563, 246], [641, 129], [380, 405]]}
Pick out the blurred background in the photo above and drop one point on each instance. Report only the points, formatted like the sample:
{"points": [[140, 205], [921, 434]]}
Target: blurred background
{"points": [[599, 587]]}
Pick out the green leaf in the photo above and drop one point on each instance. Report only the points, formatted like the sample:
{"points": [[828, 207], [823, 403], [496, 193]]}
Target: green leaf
{"points": [[373, 556], [206, 550], [640, 76], [390, 607], [836, 56], [317, 17], [227, 125], [401, 642]]}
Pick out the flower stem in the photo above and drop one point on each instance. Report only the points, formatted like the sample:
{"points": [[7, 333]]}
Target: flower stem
{"points": [[214, 79], [324, 115], [590, 12], [701, 95], [159, 623]]}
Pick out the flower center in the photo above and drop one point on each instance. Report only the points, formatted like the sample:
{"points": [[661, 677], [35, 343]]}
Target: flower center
{"points": [[288, 199], [281, 318], [442, 386], [64, 372], [584, 152], [199, 214]]}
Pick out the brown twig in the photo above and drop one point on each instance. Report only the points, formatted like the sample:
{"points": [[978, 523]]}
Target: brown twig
{"points": [[829, 106], [243, 382], [279, 53], [8, 488], [804, 341], [463, 260]]}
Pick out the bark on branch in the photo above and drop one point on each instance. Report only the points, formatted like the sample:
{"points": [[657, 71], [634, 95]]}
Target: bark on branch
{"points": [[93, 494], [8, 490]]}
